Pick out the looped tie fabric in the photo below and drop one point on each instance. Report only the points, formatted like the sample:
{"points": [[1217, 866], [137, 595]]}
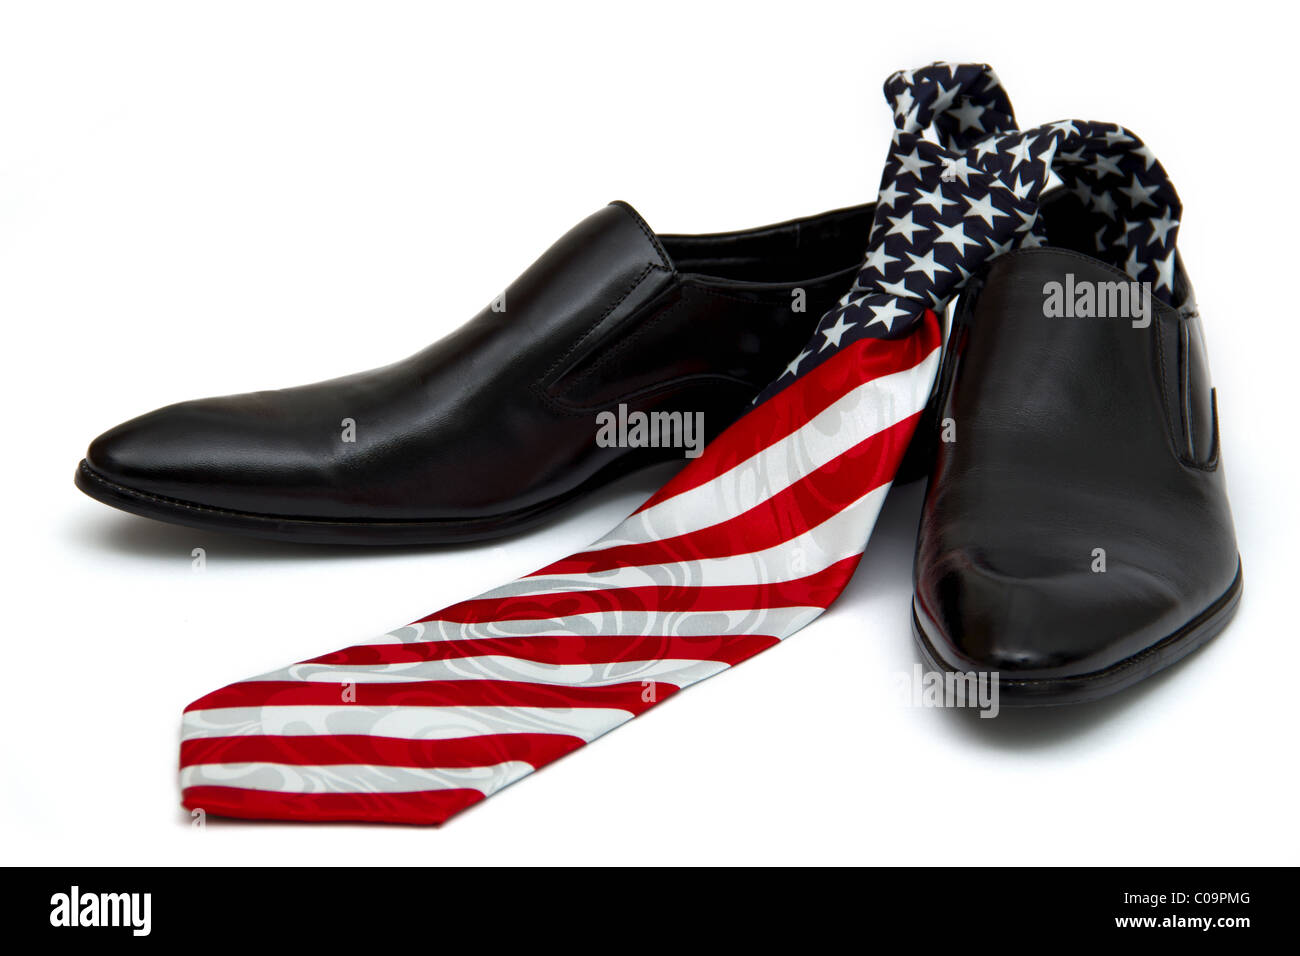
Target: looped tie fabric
{"points": [[962, 185], [746, 545]]}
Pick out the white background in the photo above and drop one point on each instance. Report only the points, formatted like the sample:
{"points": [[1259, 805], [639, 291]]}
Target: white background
{"points": [[201, 199]]}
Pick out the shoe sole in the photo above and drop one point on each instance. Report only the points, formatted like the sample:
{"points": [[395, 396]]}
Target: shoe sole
{"points": [[329, 531], [1081, 688]]}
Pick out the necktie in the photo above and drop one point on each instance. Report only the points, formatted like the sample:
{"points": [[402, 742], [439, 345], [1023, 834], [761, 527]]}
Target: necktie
{"points": [[746, 545]]}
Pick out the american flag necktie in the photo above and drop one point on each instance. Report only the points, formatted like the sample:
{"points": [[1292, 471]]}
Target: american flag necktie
{"points": [[746, 545]]}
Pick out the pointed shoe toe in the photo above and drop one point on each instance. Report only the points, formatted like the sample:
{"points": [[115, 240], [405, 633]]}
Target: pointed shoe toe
{"points": [[1068, 637]]}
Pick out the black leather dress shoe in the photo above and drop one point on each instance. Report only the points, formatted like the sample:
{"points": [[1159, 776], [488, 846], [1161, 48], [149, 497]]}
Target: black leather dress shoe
{"points": [[1076, 535], [497, 425]]}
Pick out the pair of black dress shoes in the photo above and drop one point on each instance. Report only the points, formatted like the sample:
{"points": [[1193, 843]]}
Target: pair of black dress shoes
{"points": [[1054, 447]]}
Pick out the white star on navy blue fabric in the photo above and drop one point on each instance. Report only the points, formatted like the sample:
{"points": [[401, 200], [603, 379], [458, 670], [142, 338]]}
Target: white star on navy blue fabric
{"points": [[961, 186]]}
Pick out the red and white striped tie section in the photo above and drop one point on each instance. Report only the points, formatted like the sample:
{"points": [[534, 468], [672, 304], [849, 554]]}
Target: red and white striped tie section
{"points": [[746, 545]]}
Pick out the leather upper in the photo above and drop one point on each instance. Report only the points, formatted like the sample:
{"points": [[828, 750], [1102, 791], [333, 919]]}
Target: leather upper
{"points": [[501, 414], [1071, 435]]}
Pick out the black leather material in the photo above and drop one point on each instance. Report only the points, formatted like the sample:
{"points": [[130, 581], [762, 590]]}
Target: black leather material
{"points": [[495, 424], [1071, 435]]}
